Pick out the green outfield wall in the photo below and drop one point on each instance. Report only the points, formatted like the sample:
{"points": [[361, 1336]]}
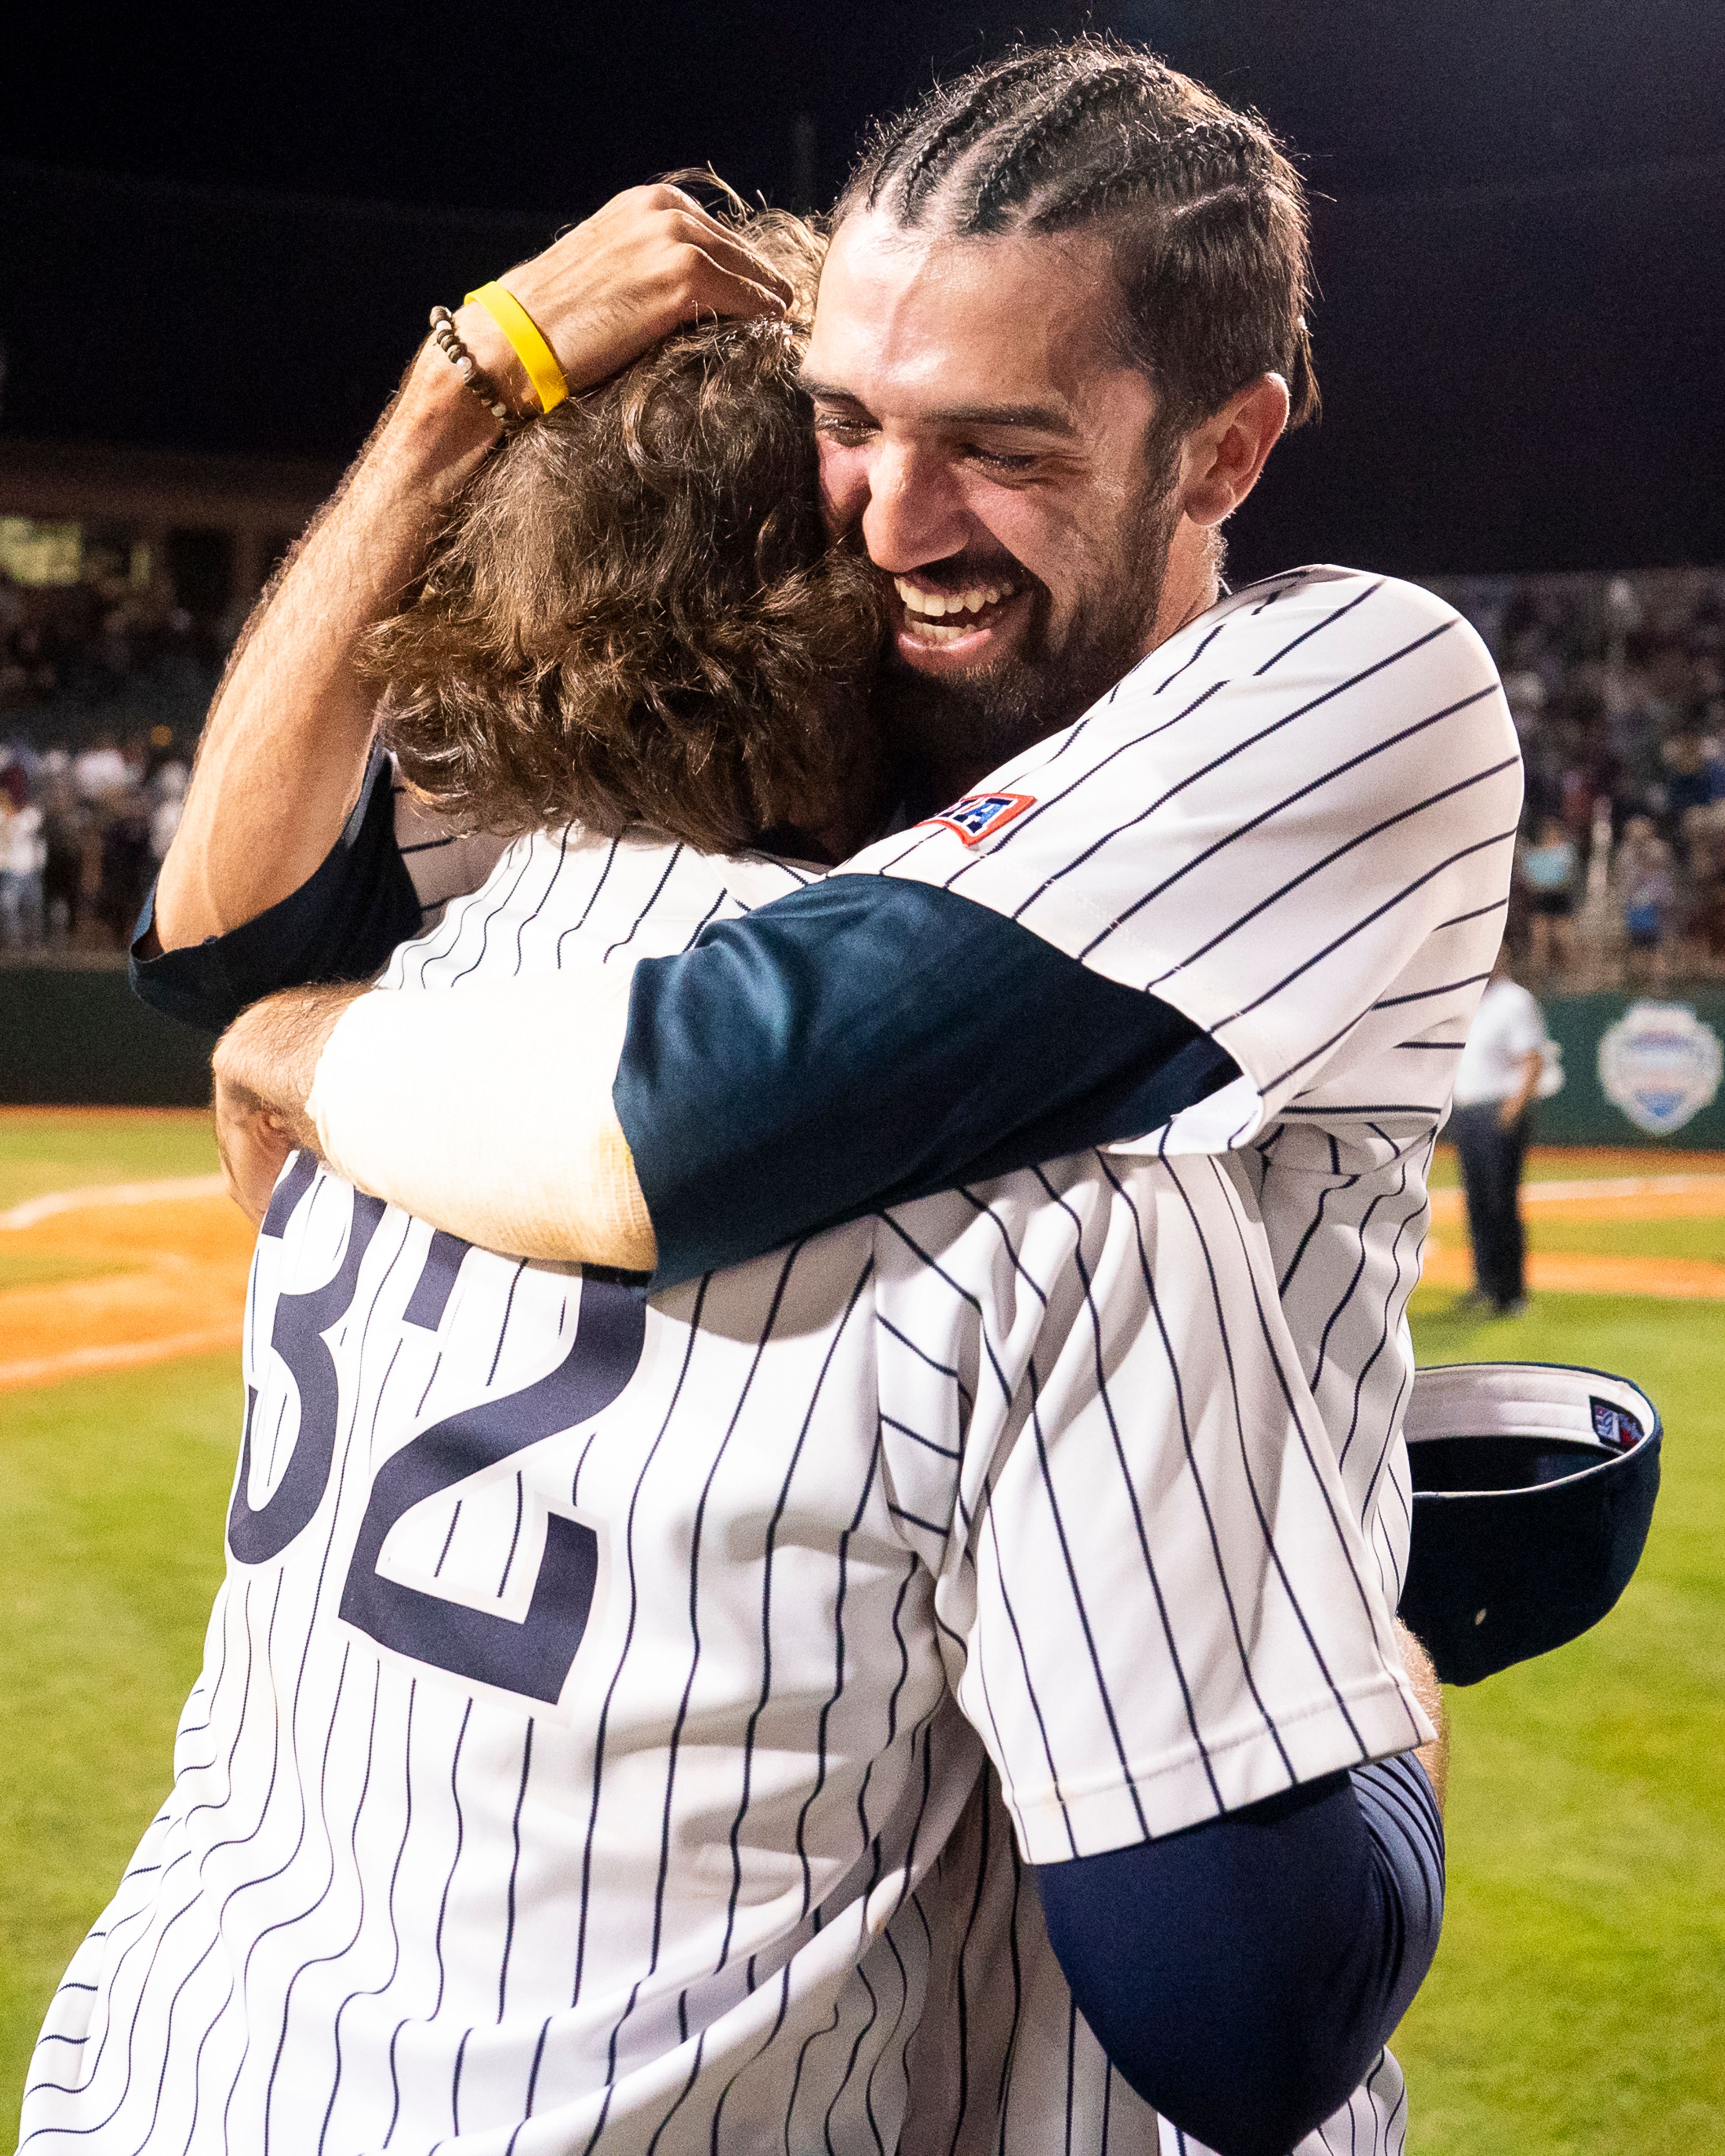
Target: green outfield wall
{"points": [[78, 1037], [1638, 1069]]}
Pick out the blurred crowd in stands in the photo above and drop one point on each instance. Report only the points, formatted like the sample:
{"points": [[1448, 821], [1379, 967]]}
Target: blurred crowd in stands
{"points": [[114, 646], [1617, 686], [81, 835], [104, 677]]}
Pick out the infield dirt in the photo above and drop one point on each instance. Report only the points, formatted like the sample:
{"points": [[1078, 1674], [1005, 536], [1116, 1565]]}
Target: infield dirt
{"points": [[109, 1274]]}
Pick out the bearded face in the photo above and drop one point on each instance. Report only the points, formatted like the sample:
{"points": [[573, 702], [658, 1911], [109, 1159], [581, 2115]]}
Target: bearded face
{"points": [[954, 723], [985, 441]]}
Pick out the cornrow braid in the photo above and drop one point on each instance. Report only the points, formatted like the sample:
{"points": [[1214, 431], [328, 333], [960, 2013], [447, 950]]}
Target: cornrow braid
{"points": [[1216, 153], [913, 156], [998, 187], [1205, 213]]}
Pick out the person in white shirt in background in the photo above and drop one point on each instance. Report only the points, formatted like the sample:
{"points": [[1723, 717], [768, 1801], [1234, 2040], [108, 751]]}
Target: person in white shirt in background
{"points": [[99, 771], [1495, 1084], [168, 791], [23, 852]]}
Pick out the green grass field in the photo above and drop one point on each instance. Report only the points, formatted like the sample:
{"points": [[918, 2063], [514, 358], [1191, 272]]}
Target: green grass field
{"points": [[110, 1518], [1578, 2006], [69, 1148], [1631, 1239], [1578, 2003]]}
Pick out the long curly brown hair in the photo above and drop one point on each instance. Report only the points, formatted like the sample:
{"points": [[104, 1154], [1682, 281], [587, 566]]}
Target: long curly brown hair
{"points": [[633, 614]]}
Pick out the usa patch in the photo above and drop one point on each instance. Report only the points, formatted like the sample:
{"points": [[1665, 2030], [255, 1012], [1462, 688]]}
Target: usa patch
{"points": [[1614, 1425], [979, 816]]}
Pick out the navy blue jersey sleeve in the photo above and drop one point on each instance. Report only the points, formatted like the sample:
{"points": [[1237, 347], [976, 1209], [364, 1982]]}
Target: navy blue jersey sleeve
{"points": [[340, 925], [866, 1041], [1245, 1975]]}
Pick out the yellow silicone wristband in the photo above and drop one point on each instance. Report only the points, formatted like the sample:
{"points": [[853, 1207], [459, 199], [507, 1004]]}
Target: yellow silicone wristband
{"points": [[529, 346]]}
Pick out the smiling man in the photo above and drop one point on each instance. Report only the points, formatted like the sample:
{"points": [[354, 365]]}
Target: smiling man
{"points": [[1024, 499], [1168, 870]]}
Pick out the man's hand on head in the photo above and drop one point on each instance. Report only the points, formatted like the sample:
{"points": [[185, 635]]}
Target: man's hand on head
{"points": [[649, 261], [265, 1064], [284, 752]]}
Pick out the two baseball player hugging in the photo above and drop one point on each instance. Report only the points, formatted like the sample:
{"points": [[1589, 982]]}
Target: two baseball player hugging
{"points": [[915, 1665]]}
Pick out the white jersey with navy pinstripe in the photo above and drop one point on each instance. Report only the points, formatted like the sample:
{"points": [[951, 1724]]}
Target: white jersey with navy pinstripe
{"points": [[1295, 822], [596, 1681]]}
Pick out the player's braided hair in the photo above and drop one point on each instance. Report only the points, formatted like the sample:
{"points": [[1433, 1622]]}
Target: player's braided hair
{"points": [[1207, 214]]}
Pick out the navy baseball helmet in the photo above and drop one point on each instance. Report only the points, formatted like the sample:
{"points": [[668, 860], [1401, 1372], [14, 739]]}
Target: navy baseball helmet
{"points": [[1534, 1489]]}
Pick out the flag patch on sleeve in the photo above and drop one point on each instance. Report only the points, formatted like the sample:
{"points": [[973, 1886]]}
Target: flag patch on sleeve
{"points": [[979, 816]]}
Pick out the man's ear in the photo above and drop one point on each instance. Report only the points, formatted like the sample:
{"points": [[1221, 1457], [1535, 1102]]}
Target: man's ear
{"points": [[1224, 455]]}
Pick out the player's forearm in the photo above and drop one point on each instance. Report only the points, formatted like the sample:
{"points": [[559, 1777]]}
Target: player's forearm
{"points": [[793, 1069], [513, 1143], [285, 746]]}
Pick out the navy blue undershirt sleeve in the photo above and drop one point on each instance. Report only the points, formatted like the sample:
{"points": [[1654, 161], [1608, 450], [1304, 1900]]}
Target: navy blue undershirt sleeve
{"points": [[1245, 1975], [869, 1040], [340, 925]]}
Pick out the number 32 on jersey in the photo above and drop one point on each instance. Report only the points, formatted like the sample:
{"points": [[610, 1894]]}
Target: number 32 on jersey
{"points": [[532, 1656]]}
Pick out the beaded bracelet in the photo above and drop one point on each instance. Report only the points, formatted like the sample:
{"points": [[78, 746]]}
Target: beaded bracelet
{"points": [[448, 339]]}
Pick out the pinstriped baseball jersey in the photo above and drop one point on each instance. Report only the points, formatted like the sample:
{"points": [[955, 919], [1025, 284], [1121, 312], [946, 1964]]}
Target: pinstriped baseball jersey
{"points": [[1346, 736], [597, 1680], [1294, 822]]}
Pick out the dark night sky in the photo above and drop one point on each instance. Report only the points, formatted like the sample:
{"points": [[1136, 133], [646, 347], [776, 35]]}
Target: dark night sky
{"points": [[1519, 241]]}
